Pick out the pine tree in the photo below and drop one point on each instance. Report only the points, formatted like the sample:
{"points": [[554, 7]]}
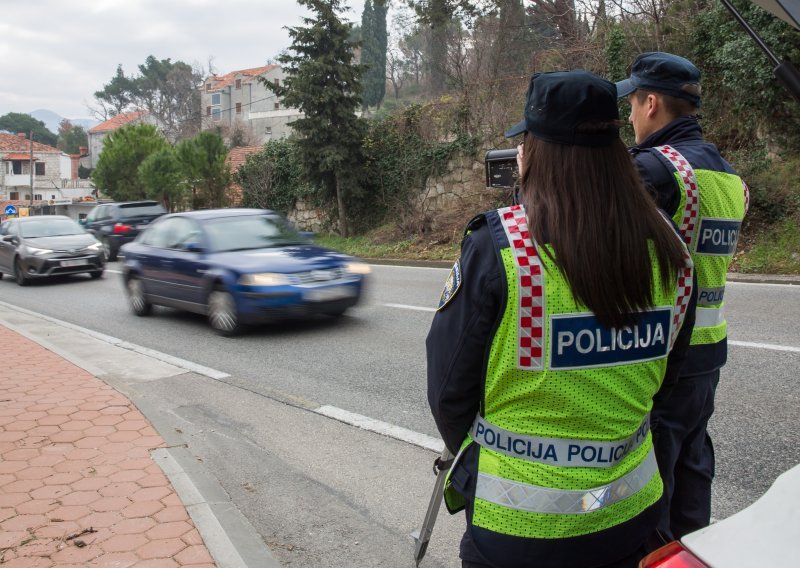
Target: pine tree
{"points": [[382, 40], [323, 83], [368, 54]]}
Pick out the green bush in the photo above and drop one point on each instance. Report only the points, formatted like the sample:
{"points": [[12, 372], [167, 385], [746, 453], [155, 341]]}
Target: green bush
{"points": [[273, 178]]}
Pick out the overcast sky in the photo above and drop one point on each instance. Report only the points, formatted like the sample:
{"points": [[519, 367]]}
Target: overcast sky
{"points": [[56, 54]]}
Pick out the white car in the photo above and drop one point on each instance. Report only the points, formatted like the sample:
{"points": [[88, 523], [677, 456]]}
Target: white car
{"points": [[764, 535]]}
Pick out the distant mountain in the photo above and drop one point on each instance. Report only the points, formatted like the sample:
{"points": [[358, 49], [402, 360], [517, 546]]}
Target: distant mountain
{"points": [[52, 120]]}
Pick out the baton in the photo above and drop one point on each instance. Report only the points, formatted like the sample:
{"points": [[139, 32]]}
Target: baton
{"points": [[423, 536]]}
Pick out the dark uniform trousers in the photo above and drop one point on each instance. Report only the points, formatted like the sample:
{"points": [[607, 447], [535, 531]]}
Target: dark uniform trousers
{"points": [[684, 452]]}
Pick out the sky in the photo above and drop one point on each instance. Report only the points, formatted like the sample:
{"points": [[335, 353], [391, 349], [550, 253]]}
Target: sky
{"points": [[56, 54]]}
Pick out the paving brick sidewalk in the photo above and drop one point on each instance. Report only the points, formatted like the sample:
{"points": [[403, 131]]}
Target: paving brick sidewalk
{"points": [[75, 457]]}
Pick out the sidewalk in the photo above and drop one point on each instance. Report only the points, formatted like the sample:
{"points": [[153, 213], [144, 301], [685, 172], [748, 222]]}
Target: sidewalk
{"points": [[78, 486]]}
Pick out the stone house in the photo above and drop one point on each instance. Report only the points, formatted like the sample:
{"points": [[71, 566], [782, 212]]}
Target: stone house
{"points": [[100, 131], [238, 100], [55, 174]]}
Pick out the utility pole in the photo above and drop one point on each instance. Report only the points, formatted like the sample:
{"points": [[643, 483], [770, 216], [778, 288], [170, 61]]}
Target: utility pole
{"points": [[30, 207]]}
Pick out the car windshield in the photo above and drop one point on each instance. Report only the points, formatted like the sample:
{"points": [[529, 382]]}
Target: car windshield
{"points": [[140, 209], [250, 232], [50, 228]]}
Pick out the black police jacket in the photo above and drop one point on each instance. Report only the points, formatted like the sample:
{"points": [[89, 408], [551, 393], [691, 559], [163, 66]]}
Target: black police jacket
{"points": [[685, 135], [457, 346]]}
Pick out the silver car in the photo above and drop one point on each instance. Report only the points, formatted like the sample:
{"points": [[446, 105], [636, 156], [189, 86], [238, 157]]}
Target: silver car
{"points": [[49, 245]]}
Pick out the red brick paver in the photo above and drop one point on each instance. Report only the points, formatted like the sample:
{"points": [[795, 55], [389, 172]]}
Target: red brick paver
{"points": [[75, 457]]}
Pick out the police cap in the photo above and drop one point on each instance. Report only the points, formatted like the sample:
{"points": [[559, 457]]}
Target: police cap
{"points": [[663, 73]]}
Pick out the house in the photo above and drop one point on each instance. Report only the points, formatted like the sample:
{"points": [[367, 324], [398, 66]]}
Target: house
{"points": [[55, 174], [236, 159], [239, 101], [100, 131]]}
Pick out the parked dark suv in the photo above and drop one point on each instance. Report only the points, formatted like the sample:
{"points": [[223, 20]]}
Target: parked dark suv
{"points": [[115, 224]]}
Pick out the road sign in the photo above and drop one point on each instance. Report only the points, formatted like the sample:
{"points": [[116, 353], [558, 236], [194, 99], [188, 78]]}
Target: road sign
{"points": [[10, 210]]}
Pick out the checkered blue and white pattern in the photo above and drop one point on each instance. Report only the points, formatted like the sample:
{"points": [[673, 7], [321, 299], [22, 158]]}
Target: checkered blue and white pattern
{"points": [[530, 286], [691, 210]]}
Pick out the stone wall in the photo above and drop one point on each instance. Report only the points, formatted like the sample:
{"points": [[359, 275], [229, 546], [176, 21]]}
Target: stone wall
{"points": [[306, 217], [459, 188]]}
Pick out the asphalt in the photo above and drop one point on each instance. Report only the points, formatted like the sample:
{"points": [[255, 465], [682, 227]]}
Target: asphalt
{"points": [[89, 477]]}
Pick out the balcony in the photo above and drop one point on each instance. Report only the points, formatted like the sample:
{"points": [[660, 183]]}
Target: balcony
{"points": [[13, 180]]}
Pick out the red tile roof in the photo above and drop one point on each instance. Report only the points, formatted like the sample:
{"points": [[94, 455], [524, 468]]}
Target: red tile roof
{"points": [[118, 121], [15, 143], [220, 82], [19, 156]]}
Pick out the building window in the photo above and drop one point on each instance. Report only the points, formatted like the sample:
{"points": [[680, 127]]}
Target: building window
{"points": [[238, 83], [17, 167], [277, 106], [268, 131], [40, 170], [208, 87], [238, 108], [216, 113], [216, 98], [37, 196], [14, 195], [52, 196], [208, 111], [277, 82]]}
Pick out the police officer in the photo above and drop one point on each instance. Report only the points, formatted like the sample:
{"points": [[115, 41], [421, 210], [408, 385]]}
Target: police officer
{"points": [[707, 200], [556, 327]]}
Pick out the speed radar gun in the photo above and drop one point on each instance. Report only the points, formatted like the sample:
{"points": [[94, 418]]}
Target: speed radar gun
{"points": [[423, 536]]}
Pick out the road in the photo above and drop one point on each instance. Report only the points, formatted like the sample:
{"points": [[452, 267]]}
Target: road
{"points": [[314, 487]]}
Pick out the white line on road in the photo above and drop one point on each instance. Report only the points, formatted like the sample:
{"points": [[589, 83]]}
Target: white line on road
{"points": [[380, 427], [769, 346], [407, 307], [113, 271], [176, 361], [742, 283]]}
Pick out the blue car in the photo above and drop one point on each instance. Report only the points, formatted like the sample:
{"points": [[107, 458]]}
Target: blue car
{"points": [[238, 267]]}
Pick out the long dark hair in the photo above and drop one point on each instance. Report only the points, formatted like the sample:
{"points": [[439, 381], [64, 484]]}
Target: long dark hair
{"points": [[590, 205]]}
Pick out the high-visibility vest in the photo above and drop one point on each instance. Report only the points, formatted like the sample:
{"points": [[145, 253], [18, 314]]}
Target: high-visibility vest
{"points": [[709, 217], [565, 446]]}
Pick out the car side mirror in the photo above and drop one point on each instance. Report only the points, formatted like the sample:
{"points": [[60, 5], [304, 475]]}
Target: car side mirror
{"points": [[193, 247], [81, 221]]}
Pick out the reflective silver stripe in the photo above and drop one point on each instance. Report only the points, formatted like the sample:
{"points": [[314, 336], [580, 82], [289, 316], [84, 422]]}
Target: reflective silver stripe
{"points": [[557, 451], [537, 499], [709, 317]]}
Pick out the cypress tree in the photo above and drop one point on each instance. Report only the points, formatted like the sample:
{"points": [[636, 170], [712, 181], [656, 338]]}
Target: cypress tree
{"points": [[322, 81]]}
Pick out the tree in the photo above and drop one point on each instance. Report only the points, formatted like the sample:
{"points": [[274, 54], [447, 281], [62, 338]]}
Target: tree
{"points": [[71, 138], [202, 161], [162, 178], [373, 52], [116, 97], [124, 150], [16, 122], [323, 82], [169, 92], [273, 177]]}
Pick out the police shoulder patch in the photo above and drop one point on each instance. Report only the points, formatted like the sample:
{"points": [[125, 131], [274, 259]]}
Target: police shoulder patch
{"points": [[451, 286]]}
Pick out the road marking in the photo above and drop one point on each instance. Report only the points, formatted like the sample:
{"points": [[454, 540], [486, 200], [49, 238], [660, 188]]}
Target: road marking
{"points": [[741, 283], [380, 427], [406, 266], [407, 307], [770, 346], [113, 271], [176, 361]]}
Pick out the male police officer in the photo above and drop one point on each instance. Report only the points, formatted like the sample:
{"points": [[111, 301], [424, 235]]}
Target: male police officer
{"points": [[707, 201]]}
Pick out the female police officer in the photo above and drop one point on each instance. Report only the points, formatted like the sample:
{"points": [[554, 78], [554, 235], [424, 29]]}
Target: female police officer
{"points": [[553, 333]]}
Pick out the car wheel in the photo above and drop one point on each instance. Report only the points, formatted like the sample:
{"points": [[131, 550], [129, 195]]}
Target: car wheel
{"points": [[139, 304], [19, 273], [222, 314], [335, 313], [97, 274]]}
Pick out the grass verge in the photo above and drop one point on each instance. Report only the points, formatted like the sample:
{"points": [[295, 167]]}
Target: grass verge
{"points": [[776, 250]]}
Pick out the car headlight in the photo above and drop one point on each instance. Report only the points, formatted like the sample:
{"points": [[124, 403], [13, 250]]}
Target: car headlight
{"points": [[95, 246], [357, 268], [263, 279], [38, 251]]}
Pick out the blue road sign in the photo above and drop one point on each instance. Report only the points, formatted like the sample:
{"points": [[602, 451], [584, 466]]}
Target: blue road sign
{"points": [[10, 210]]}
